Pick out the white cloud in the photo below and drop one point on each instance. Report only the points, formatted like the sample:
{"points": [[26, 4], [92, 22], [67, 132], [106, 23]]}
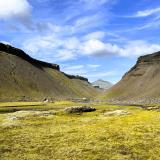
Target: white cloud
{"points": [[85, 70], [130, 49], [74, 67], [63, 55], [36, 44], [147, 12], [137, 48], [94, 65], [95, 35], [72, 43], [88, 22], [69, 48], [19, 9], [98, 48], [75, 70], [149, 25], [60, 49]]}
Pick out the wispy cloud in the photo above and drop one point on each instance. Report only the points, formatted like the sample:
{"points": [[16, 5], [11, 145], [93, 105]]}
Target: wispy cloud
{"points": [[143, 13], [74, 67], [95, 35], [94, 65], [86, 70], [75, 70], [149, 25], [65, 48], [89, 22], [147, 12]]}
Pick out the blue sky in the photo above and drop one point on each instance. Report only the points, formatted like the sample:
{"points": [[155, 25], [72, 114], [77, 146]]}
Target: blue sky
{"points": [[98, 39]]}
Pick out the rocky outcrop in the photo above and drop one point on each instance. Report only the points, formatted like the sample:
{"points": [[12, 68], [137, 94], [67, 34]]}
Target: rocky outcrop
{"points": [[79, 109], [143, 61], [140, 85], [76, 77], [149, 59], [17, 52]]}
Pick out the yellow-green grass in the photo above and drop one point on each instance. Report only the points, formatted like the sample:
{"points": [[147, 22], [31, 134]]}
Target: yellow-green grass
{"points": [[17, 106], [88, 136], [10, 104]]}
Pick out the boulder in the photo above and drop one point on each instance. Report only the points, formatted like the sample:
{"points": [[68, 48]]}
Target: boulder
{"points": [[79, 109]]}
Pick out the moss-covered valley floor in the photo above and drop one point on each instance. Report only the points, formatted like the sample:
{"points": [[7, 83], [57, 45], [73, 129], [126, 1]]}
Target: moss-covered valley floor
{"points": [[45, 132]]}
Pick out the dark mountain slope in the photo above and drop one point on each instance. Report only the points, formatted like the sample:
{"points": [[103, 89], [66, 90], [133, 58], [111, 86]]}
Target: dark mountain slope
{"points": [[141, 84], [24, 78]]}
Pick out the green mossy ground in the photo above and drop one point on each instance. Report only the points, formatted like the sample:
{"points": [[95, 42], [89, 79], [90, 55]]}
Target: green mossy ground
{"points": [[87, 136]]}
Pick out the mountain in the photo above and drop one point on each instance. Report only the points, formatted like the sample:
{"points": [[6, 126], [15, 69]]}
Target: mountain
{"points": [[141, 84], [102, 84], [23, 78]]}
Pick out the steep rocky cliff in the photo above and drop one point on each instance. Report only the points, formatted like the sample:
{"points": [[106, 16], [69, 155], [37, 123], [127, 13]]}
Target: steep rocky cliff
{"points": [[17, 52], [141, 84]]}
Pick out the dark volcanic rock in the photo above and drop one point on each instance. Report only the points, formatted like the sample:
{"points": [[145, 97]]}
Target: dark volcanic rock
{"points": [[79, 109], [17, 52], [151, 58], [76, 77]]}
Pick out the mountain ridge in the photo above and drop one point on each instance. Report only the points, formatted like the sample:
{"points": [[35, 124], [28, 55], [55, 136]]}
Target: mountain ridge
{"points": [[26, 79], [140, 84], [18, 52], [102, 84]]}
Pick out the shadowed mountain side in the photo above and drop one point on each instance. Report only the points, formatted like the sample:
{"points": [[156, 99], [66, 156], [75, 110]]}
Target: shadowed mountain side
{"points": [[24, 78], [140, 85]]}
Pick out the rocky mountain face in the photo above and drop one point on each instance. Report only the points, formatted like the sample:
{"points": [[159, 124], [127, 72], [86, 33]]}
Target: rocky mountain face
{"points": [[23, 78], [102, 84], [140, 85], [19, 53]]}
